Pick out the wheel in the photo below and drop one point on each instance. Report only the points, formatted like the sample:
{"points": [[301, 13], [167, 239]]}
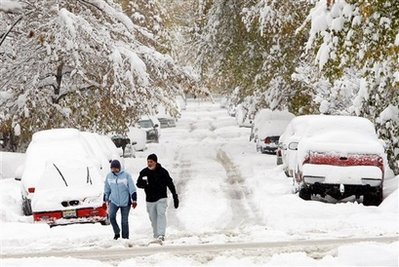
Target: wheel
{"points": [[106, 222], [26, 206], [305, 193], [373, 198]]}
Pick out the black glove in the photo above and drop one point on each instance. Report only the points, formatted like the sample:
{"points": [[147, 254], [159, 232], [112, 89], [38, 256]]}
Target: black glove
{"points": [[176, 201]]}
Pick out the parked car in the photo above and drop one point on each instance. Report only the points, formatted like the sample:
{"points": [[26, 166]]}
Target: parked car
{"points": [[69, 191], [151, 125], [166, 121], [243, 116], [340, 156], [267, 127], [47, 149], [139, 137], [181, 102], [124, 142]]}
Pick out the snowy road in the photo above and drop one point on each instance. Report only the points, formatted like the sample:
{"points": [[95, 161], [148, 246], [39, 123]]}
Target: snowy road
{"points": [[230, 195], [315, 248]]}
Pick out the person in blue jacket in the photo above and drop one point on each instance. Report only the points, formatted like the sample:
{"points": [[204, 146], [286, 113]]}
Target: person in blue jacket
{"points": [[119, 193]]}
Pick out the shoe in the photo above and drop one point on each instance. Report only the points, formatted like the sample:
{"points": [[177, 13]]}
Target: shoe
{"points": [[161, 238], [117, 236]]}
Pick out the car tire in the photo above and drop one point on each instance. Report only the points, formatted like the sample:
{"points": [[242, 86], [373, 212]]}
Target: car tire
{"points": [[106, 222], [373, 198], [305, 193], [26, 206]]}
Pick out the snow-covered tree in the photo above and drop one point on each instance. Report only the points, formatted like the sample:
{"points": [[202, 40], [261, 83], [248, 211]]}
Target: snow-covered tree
{"points": [[253, 45], [356, 49], [84, 64]]}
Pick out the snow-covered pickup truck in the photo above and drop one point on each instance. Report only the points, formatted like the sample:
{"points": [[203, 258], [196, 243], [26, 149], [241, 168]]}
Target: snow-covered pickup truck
{"points": [[341, 156]]}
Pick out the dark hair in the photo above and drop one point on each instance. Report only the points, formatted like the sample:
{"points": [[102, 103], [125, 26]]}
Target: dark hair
{"points": [[152, 157]]}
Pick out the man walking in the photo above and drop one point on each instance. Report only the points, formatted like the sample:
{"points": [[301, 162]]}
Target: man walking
{"points": [[154, 179], [119, 193]]}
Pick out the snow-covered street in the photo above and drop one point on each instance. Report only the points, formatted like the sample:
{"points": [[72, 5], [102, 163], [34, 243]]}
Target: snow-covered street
{"points": [[229, 193]]}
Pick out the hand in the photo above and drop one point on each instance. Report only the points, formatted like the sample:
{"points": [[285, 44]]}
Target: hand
{"points": [[134, 204], [176, 201]]}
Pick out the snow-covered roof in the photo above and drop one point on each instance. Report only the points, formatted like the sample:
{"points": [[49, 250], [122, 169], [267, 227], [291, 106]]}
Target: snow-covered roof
{"points": [[271, 122]]}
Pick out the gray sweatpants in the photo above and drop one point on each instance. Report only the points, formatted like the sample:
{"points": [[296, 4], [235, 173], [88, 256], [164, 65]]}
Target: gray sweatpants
{"points": [[157, 213]]}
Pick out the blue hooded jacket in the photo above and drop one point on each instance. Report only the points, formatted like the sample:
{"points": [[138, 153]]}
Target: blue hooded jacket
{"points": [[119, 189]]}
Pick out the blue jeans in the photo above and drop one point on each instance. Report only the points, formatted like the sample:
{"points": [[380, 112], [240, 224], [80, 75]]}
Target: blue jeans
{"points": [[112, 209], [157, 213]]}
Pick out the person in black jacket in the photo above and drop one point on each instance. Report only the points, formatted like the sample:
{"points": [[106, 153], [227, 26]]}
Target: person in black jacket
{"points": [[154, 180]]}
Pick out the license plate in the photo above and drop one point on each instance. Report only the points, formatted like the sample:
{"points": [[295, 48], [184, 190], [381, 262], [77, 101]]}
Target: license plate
{"points": [[69, 213]]}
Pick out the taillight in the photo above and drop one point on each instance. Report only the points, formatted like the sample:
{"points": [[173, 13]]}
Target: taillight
{"points": [[381, 164], [104, 205], [31, 190], [268, 140], [278, 152]]}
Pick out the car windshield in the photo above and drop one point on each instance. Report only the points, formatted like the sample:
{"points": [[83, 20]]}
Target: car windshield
{"points": [[65, 173], [145, 124]]}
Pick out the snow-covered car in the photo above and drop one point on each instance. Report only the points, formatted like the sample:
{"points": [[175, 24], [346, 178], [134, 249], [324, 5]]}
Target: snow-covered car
{"points": [[69, 191], [151, 125], [126, 144], [139, 137], [45, 146], [340, 156], [181, 102], [166, 121], [243, 117], [267, 127]]}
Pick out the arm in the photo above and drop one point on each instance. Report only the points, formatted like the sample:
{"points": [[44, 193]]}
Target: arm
{"points": [[140, 182], [170, 184], [132, 188], [107, 190]]}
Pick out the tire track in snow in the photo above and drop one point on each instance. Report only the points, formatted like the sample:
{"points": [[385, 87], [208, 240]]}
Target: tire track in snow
{"points": [[243, 209], [183, 165]]}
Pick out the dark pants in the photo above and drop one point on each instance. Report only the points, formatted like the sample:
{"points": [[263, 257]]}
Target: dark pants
{"points": [[124, 221]]}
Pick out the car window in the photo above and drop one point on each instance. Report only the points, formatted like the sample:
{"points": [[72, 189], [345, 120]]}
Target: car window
{"points": [[145, 124], [66, 173]]}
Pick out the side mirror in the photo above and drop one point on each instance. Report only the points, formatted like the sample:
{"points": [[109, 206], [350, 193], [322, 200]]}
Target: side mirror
{"points": [[18, 172], [156, 126], [134, 143], [293, 146]]}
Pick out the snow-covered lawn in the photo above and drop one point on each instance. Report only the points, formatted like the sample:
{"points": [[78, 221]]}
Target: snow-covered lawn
{"points": [[228, 193]]}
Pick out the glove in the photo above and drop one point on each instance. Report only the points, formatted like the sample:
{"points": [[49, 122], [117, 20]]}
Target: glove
{"points": [[134, 204], [176, 201]]}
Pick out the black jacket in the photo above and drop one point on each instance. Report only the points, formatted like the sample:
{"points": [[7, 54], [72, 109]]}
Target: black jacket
{"points": [[157, 181]]}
